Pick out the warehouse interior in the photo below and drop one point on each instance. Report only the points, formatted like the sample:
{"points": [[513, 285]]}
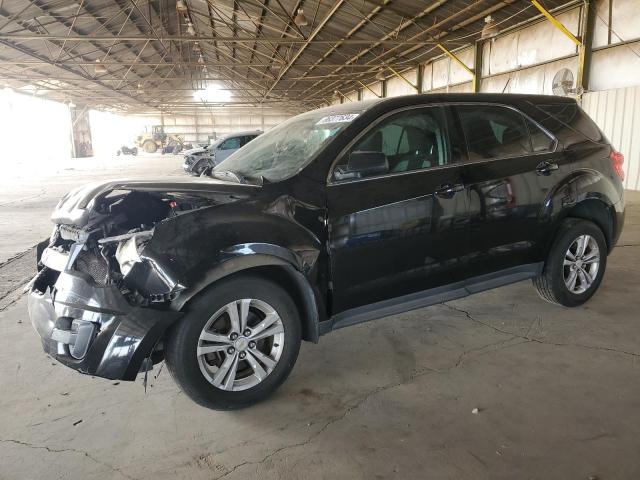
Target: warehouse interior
{"points": [[496, 385]]}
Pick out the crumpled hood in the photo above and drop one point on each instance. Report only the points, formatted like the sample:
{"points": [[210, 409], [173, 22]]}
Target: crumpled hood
{"points": [[195, 151], [79, 205]]}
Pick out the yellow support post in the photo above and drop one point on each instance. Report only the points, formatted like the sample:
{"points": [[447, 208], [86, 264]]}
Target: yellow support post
{"points": [[556, 23], [454, 57]]}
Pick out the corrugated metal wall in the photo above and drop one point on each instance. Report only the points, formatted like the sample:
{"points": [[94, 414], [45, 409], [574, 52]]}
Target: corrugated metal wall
{"points": [[617, 113]]}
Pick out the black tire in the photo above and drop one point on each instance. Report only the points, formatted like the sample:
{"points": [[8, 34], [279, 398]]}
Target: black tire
{"points": [[551, 284], [181, 342], [149, 146]]}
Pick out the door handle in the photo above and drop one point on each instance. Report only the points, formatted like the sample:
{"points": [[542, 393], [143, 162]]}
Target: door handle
{"points": [[448, 190], [545, 168]]}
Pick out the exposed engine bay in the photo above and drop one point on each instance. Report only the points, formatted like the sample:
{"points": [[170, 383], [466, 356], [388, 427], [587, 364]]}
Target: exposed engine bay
{"points": [[107, 242]]}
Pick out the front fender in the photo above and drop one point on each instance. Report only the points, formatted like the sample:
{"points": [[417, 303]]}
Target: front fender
{"points": [[244, 257]]}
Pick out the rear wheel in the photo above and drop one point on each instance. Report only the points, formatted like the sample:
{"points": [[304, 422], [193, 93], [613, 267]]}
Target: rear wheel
{"points": [[576, 264], [149, 146], [236, 344]]}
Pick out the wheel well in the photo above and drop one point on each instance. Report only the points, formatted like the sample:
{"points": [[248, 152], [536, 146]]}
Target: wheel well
{"points": [[286, 278], [597, 212], [293, 282]]}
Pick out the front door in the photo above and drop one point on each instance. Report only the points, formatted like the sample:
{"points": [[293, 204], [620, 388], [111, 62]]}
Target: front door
{"points": [[226, 148], [510, 173], [402, 229]]}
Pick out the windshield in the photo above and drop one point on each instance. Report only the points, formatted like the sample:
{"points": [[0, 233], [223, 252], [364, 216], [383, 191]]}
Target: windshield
{"points": [[286, 149]]}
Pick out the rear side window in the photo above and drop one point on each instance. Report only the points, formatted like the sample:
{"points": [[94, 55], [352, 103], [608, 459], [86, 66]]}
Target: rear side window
{"points": [[573, 116], [540, 140], [493, 131]]}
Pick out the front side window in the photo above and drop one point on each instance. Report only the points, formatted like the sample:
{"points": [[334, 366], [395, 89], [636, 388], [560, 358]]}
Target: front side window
{"points": [[493, 131], [230, 144], [406, 141]]}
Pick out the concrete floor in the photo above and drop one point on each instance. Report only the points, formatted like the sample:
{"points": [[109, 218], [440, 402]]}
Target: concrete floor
{"points": [[557, 389]]}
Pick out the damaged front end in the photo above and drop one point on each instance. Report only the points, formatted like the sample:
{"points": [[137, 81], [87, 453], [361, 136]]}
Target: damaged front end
{"points": [[101, 298]]}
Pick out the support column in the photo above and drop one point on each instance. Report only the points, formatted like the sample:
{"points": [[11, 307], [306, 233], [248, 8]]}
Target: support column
{"points": [[383, 88], [477, 66], [420, 78], [585, 48], [81, 145]]}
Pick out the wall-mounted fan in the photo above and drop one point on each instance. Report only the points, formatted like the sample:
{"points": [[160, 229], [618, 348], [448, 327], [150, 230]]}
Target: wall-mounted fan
{"points": [[563, 82]]}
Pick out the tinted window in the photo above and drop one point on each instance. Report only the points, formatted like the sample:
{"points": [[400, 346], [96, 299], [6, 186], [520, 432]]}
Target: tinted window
{"points": [[540, 141], [572, 115], [493, 131], [230, 144], [246, 139], [410, 140]]}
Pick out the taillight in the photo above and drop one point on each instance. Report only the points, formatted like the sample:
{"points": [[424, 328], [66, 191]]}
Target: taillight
{"points": [[617, 159]]}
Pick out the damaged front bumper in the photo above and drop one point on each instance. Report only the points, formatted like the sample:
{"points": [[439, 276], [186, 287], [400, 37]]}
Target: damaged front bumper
{"points": [[92, 328]]}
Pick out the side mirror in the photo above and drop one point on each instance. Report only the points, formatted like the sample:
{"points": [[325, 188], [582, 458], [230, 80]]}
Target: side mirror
{"points": [[364, 163]]}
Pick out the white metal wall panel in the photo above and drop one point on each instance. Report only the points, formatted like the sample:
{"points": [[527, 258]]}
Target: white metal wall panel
{"points": [[600, 27], [397, 86], [625, 21], [368, 94], [461, 88], [617, 113], [537, 79], [427, 78], [615, 67], [440, 76], [457, 73], [533, 45]]}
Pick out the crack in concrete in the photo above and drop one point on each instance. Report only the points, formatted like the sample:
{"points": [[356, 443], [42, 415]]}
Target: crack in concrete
{"points": [[69, 450], [419, 373], [537, 340]]}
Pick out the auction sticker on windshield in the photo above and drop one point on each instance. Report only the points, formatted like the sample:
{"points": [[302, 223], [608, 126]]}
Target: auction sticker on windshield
{"points": [[337, 118]]}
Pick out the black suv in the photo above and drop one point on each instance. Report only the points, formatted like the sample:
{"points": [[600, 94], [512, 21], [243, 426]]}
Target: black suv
{"points": [[335, 217]]}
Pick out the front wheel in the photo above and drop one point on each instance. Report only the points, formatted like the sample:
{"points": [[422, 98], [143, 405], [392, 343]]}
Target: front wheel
{"points": [[236, 344], [149, 146], [575, 265]]}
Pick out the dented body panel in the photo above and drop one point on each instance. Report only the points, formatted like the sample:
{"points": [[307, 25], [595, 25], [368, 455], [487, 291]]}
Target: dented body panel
{"points": [[127, 256]]}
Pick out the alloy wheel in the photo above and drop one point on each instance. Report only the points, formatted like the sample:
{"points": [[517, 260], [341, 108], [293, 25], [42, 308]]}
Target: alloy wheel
{"points": [[240, 345], [581, 263]]}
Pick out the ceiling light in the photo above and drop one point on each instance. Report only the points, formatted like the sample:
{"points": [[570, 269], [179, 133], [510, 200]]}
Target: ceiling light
{"points": [[190, 30], [490, 29], [301, 19], [212, 93], [380, 75], [140, 89], [100, 68], [181, 7], [200, 59], [196, 47]]}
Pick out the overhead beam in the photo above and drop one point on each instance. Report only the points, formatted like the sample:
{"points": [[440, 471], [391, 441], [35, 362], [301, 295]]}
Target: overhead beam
{"points": [[211, 38], [556, 23]]}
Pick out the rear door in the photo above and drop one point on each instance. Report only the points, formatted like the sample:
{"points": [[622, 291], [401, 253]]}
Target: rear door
{"points": [[511, 169], [403, 230]]}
